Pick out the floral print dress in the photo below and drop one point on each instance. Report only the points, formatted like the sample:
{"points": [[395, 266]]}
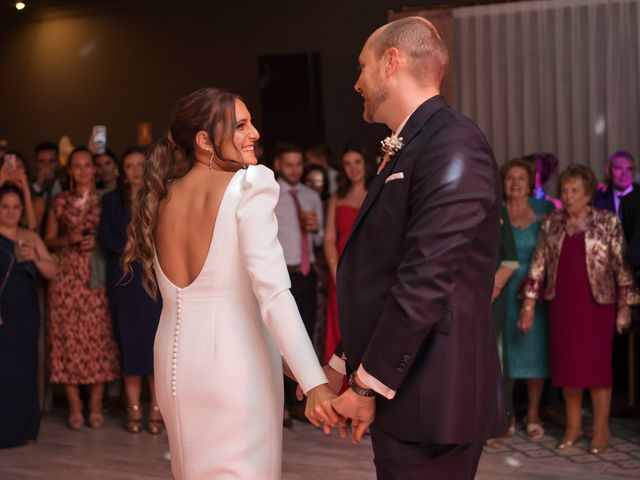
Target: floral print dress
{"points": [[82, 345]]}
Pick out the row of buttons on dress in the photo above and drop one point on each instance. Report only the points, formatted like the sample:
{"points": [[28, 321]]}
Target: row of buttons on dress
{"points": [[176, 335]]}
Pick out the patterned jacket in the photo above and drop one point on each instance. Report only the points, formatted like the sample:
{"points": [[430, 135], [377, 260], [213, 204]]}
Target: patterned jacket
{"points": [[610, 277]]}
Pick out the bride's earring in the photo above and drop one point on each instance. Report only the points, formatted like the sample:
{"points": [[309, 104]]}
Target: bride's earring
{"points": [[211, 159]]}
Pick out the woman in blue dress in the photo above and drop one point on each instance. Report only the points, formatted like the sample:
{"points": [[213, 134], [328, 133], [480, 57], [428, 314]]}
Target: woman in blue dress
{"points": [[23, 256], [135, 315], [528, 353]]}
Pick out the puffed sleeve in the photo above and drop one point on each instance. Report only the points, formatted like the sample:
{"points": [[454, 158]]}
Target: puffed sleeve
{"points": [[533, 284], [264, 260], [627, 292]]}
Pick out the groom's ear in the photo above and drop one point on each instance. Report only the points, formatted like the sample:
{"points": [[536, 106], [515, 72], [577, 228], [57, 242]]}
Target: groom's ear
{"points": [[390, 61]]}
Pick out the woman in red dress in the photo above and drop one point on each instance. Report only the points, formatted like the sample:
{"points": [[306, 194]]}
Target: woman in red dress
{"points": [[579, 260], [355, 175], [82, 345]]}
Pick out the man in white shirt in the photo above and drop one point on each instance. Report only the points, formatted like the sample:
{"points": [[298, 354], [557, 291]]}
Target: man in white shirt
{"points": [[300, 219]]}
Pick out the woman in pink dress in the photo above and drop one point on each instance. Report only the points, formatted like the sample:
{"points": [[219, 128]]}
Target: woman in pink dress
{"points": [[578, 266], [355, 175]]}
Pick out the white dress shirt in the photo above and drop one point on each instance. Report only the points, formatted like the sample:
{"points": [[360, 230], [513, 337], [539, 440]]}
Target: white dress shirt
{"points": [[617, 196], [289, 223]]}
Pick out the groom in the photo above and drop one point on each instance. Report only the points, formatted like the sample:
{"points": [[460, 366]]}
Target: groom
{"points": [[416, 276]]}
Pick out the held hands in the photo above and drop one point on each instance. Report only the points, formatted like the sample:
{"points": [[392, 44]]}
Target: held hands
{"points": [[361, 410], [319, 409], [623, 319]]}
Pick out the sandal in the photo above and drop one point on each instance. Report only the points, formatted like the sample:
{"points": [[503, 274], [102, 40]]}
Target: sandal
{"points": [[154, 425], [511, 431], [493, 443], [134, 419], [96, 420], [75, 421], [534, 430]]}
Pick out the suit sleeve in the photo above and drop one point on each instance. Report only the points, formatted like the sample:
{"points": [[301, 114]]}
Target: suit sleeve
{"points": [[264, 260], [453, 189]]}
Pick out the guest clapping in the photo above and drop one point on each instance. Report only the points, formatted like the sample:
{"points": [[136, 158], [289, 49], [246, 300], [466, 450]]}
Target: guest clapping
{"points": [[579, 259], [82, 347], [22, 256], [135, 315]]}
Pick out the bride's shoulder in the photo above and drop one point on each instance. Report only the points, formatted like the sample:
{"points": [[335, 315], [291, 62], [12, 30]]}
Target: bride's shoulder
{"points": [[259, 176]]}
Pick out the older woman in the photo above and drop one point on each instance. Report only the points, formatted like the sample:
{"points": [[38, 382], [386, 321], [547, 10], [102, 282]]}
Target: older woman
{"points": [[23, 256], [528, 353], [580, 259]]}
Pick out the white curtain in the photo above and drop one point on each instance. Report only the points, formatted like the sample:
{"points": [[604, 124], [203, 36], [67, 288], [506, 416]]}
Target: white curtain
{"points": [[557, 76]]}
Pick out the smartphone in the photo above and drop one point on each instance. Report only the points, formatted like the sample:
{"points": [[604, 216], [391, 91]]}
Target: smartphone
{"points": [[99, 138]]}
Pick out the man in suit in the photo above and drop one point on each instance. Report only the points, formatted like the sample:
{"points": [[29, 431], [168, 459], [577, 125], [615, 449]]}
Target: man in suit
{"points": [[619, 170], [416, 276]]}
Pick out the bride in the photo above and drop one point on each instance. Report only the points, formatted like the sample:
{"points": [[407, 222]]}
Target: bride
{"points": [[205, 225]]}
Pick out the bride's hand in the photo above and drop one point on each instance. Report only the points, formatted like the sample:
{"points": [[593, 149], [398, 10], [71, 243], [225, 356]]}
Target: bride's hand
{"points": [[319, 409]]}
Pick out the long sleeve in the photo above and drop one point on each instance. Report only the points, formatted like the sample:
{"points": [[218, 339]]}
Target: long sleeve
{"points": [[627, 292], [534, 282], [452, 191], [264, 260]]}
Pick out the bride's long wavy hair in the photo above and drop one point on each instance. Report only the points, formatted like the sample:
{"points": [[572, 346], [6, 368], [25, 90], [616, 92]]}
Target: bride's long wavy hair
{"points": [[210, 110]]}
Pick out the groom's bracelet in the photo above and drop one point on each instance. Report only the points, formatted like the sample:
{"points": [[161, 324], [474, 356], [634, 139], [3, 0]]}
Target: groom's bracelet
{"points": [[353, 385]]}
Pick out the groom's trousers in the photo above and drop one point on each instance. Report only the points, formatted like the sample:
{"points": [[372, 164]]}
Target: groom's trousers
{"points": [[399, 460]]}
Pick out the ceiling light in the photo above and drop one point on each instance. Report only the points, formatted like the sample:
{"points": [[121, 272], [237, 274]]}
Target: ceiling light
{"points": [[20, 5]]}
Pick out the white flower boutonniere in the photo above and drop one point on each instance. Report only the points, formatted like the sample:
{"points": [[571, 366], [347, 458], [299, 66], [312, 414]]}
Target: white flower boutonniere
{"points": [[390, 146]]}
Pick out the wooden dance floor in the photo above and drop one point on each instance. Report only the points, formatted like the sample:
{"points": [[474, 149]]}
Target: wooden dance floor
{"points": [[113, 454]]}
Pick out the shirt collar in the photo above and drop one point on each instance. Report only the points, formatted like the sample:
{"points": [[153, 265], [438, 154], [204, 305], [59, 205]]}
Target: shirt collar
{"points": [[626, 192], [285, 185], [402, 125]]}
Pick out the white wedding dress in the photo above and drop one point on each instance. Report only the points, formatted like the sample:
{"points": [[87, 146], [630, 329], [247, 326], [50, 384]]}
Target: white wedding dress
{"points": [[217, 352]]}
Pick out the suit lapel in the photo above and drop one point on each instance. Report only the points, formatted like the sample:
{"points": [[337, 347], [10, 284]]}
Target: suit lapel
{"points": [[414, 125]]}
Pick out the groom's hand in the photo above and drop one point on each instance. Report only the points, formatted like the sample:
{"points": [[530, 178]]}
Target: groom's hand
{"points": [[361, 410]]}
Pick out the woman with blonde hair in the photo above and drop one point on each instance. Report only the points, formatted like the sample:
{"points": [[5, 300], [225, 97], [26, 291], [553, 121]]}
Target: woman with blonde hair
{"points": [[205, 224]]}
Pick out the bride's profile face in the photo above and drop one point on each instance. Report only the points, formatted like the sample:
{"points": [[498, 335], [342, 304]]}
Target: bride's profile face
{"points": [[245, 134]]}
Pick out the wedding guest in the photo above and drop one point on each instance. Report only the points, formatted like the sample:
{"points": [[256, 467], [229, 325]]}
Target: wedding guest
{"points": [[545, 165], [13, 171], [620, 171], [23, 256], [528, 353], [135, 315], [316, 177], [355, 174], [107, 171], [579, 259], [82, 346], [300, 227], [507, 263], [46, 156], [319, 154]]}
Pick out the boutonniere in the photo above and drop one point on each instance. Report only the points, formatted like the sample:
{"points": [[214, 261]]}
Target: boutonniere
{"points": [[390, 146]]}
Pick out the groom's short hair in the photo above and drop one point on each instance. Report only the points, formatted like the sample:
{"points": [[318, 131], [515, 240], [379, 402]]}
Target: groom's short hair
{"points": [[417, 38]]}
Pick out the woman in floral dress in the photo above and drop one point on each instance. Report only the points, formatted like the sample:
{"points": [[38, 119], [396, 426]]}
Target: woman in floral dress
{"points": [[82, 345]]}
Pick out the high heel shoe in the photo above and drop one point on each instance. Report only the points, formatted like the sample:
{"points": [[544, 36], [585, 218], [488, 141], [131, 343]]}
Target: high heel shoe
{"points": [[154, 425], [598, 449], [566, 444], [96, 420], [75, 421], [134, 419]]}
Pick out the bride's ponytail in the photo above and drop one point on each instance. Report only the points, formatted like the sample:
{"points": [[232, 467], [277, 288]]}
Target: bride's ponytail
{"points": [[170, 158]]}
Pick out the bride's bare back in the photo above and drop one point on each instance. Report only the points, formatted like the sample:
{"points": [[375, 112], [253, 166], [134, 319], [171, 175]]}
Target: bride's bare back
{"points": [[186, 223]]}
